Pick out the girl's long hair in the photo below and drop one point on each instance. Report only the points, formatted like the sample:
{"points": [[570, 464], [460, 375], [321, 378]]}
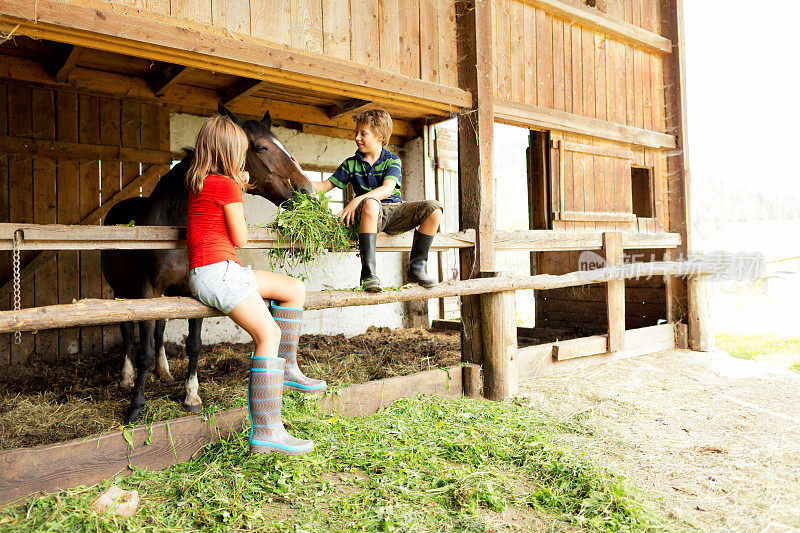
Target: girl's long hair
{"points": [[221, 148]]}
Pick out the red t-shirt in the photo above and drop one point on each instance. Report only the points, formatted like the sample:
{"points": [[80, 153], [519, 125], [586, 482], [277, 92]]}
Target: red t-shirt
{"points": [[207, 237]]}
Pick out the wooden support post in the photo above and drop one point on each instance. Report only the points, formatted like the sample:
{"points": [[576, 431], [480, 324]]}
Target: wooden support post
{"points": [[475, 37], [678, 160], [701, 335], [499, 343], [471, 380], [615, 292]]}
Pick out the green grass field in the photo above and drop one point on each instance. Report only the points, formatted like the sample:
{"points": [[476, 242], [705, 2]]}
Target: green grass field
{"points": [[428, 464], [775, 349]]}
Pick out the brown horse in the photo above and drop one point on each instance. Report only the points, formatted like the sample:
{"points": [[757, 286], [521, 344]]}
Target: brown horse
{"points": [[153, 273]]}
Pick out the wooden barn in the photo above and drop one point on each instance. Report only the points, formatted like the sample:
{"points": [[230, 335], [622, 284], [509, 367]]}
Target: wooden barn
{"points": [[88, 89]]}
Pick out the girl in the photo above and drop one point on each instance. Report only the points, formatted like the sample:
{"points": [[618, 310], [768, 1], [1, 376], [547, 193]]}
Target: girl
{"points": [[215, 228]]}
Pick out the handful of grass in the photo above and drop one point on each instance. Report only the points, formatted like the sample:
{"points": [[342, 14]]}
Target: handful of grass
{"points": [[310, 230]]}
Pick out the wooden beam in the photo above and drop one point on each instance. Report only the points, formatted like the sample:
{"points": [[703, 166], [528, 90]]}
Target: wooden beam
{"points": [[352, 106], [183, 98], [92, 312], [499, 343], [529, 115], [93, 237], [615, 292], [366, 398], [678, 175], [241, 90], [471, 380], [606, 24], [167, 76], [131, 189], [700, 331], [70, 150], [597, 150], [131, 31], [574, 354], [476, 73], [593, 216], [68, 62]]}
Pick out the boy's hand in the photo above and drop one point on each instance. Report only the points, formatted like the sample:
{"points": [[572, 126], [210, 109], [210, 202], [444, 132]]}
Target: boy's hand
{"points": [[349, 212]]}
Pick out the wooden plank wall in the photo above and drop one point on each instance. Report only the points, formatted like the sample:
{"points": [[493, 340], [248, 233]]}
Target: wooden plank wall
{"points": [[60, 190], [583, 308], [544, 60], [446, 163], [547, 61], [416, 38]]}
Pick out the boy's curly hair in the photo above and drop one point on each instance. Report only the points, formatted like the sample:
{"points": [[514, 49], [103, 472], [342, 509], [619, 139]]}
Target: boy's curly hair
{"points": [[378, 120]]}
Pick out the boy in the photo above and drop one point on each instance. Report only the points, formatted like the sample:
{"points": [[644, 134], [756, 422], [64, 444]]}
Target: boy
{"points": [[374, 173]]}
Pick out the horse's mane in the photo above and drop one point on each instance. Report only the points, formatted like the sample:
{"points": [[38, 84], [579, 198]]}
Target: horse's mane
{"points": [[171, 188]]}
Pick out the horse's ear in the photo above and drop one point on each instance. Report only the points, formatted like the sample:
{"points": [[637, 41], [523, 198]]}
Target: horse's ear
{"points": [[267, 120], [225, 112]]}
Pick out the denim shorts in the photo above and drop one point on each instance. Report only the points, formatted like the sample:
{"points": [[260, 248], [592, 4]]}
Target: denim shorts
{"points": [[222, 285]]}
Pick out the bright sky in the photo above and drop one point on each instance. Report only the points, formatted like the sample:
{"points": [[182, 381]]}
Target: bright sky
{"points": [[742, 90]]}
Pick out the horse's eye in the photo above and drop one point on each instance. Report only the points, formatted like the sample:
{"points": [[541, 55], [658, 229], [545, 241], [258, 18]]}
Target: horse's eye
{"points": [[262, 148]]}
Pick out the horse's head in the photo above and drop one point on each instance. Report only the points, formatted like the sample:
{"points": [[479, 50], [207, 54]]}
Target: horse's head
{"points": [[273, 173]]}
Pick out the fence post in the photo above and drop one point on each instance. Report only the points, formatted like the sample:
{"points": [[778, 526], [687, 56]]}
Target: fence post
{"points": [[499, 343], [615, 292], [701, 336]]}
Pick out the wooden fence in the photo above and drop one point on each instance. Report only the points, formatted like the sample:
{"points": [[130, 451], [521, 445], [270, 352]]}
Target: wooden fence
{"points": [[85, 461]]}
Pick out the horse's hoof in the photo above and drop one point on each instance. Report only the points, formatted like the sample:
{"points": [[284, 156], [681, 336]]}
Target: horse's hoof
{"points": [[193, 408], [133, 414], [126, 388], [166, 378]]}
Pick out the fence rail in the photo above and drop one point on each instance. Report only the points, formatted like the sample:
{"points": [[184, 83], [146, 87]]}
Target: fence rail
{"points": [[92, 312], [84, 237]]}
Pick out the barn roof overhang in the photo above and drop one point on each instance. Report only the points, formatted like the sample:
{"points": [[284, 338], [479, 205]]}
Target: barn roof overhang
{"points": [[105, 48]]}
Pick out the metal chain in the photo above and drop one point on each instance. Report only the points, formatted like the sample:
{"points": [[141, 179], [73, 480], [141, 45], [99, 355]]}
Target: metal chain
{"points": [[17, 238]]}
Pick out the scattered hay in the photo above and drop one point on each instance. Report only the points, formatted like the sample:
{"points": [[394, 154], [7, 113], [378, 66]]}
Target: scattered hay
{"points": [[59, 402]]}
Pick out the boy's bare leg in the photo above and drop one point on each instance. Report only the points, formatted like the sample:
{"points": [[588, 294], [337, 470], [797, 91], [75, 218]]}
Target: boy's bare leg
{"points": [[369, 216], [367, 237], [430, 225]]}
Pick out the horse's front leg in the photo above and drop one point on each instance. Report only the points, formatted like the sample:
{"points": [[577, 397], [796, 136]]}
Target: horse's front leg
{"points": [[128, 371], [144, 360], [193, 403], [162, 365]]}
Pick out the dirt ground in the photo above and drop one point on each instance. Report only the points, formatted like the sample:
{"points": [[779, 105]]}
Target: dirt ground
{"points": [[713, 439], [54, 403]]}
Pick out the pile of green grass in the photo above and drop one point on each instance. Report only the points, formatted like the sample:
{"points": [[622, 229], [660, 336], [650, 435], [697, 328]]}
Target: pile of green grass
{"points": [[427, 464], [311, 230]]}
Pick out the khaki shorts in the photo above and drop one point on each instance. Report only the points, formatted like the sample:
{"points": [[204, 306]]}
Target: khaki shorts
{"points": [[399, 217]]}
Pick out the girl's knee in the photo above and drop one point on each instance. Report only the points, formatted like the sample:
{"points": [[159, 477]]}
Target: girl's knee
{"points": [[298, 290]]}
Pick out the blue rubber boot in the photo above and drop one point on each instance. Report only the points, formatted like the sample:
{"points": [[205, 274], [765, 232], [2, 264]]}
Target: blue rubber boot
{"points": [[264, 398], [289, 320]]}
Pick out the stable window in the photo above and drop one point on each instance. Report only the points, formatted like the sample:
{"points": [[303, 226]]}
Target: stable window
{"points": [[642, 191]]}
